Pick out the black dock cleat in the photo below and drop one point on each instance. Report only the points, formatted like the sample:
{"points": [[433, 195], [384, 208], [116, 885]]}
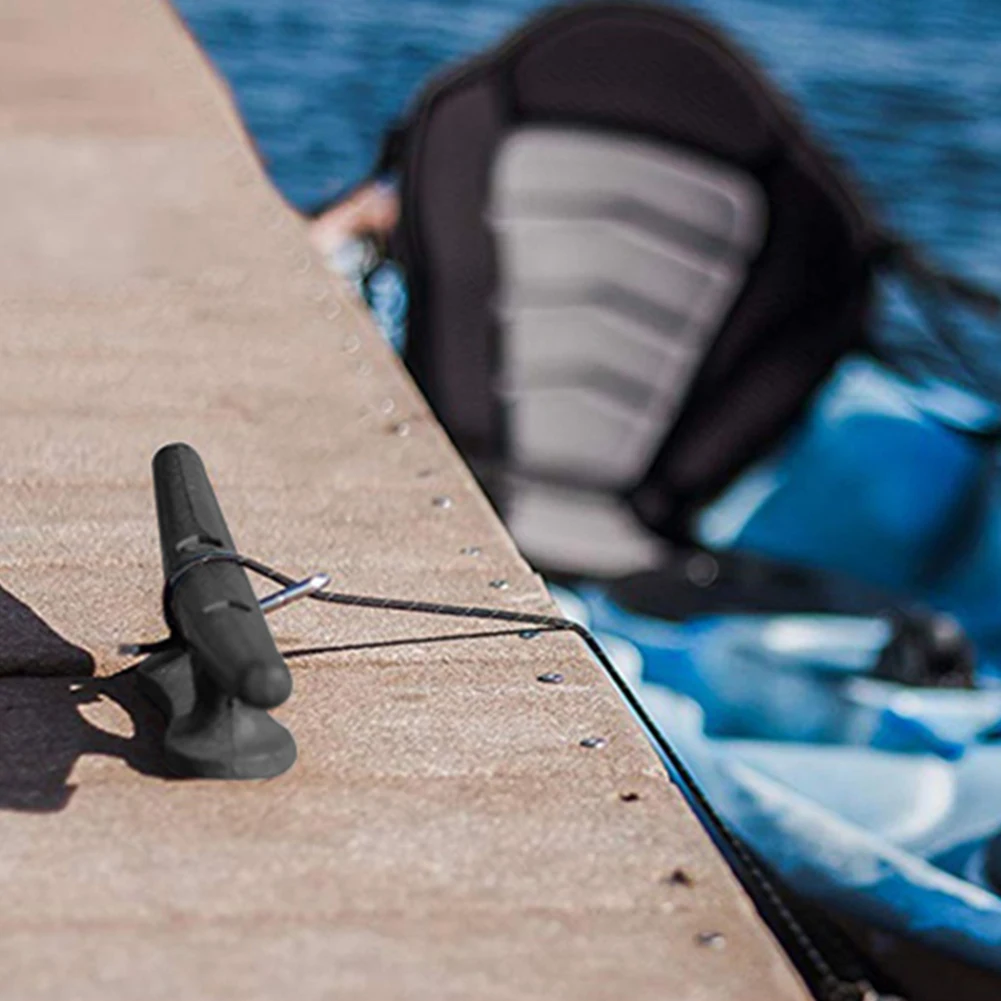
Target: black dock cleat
{"points": [[220, 672]]}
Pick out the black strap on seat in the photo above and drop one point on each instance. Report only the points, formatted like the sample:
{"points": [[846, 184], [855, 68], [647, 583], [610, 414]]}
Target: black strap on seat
{"points": [[926, 649], [936, 292]]}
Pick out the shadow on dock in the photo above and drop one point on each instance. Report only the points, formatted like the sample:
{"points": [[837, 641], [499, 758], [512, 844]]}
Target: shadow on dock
{"points": [[48, 697]]}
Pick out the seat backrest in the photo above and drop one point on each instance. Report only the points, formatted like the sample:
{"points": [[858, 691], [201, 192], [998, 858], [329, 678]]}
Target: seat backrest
{"points": [[628, 269]]}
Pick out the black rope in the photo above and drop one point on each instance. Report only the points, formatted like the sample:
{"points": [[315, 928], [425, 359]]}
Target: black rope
{"points": [[833, 987], [935, 290], [314, 651]]}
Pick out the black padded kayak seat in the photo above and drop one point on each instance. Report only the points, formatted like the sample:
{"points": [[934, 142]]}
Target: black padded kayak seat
{"points": [[629, 268]]}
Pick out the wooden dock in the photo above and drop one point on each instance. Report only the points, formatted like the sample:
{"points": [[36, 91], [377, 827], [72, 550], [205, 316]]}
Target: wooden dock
{"points": [[444, 833]]}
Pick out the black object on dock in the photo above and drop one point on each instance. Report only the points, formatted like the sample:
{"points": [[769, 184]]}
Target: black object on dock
{"points": [[221, 672]]}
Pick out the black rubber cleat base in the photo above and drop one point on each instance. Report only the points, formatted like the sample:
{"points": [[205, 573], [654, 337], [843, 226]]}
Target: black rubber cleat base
{"points": [[209, 734]]}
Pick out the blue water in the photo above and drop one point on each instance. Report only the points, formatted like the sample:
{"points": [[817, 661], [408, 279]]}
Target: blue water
{"points": [[907, 91]]}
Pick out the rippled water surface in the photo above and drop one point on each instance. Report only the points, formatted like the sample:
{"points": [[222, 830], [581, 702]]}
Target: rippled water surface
{"points": [[909, 91]]}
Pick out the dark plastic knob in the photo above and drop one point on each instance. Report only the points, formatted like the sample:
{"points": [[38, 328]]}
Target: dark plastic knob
{"points": [[929, 651]]}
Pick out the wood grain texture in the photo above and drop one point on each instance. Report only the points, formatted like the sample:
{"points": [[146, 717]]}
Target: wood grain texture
{"points": [[444, 834]]}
